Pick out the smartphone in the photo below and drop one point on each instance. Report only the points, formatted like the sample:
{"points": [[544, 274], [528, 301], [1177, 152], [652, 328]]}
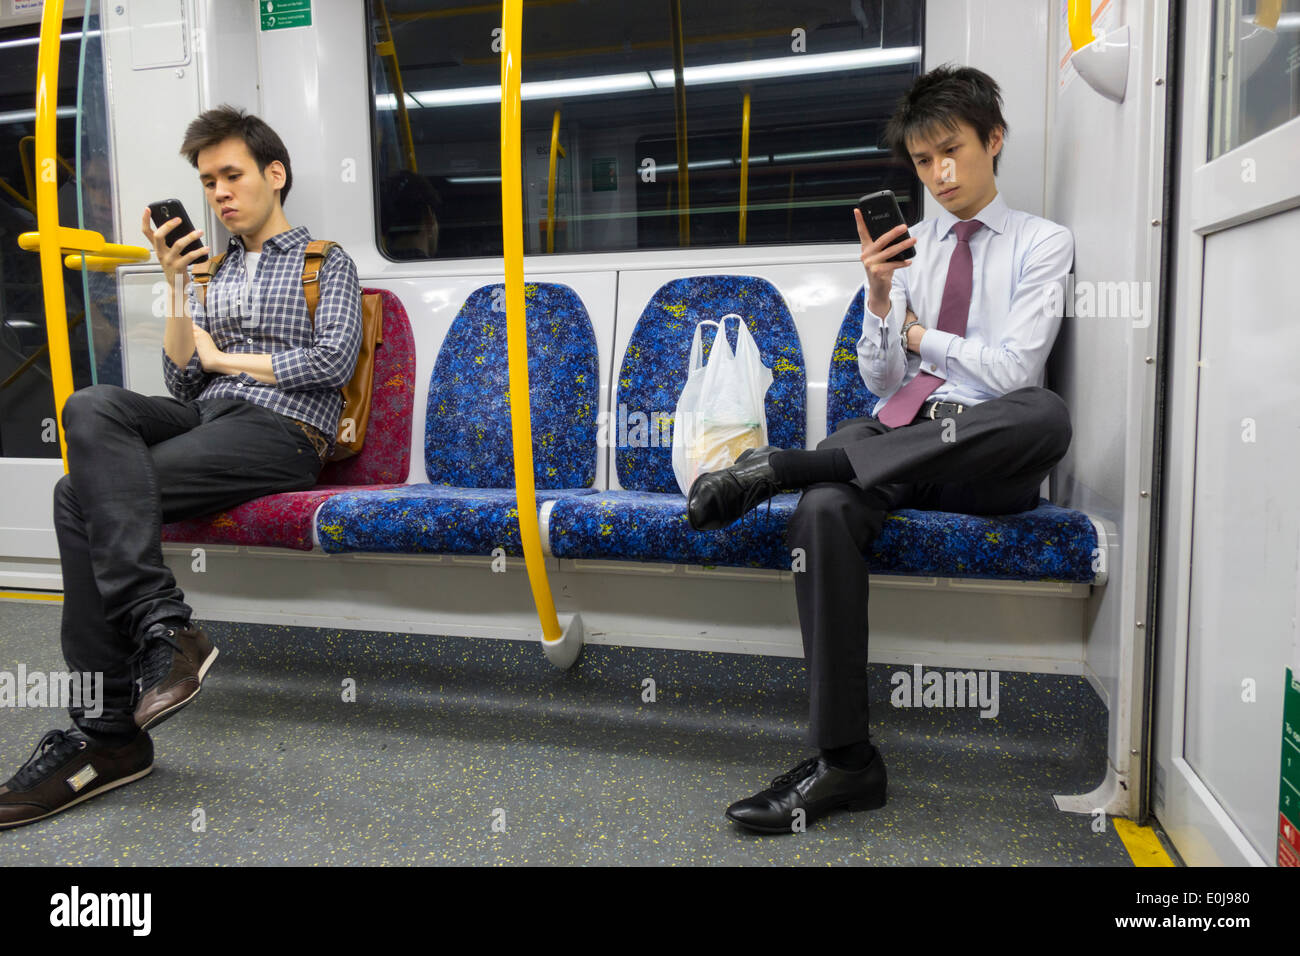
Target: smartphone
{"points": [[166, 209], [881, 213]]}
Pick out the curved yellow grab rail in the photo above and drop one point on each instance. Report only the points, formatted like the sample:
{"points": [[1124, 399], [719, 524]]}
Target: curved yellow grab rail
{"points": [[84, 240], [512, 226], [47, 212], [77, 261], [1079, 17], [556, 148], [17, 196], [744, 169]]}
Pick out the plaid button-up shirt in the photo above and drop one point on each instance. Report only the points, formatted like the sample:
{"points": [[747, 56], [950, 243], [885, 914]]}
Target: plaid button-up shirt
{"points": [[309, 366]]}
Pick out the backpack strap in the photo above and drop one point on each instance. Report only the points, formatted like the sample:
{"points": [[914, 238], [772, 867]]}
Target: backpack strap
{"points": [[202, 274], [312, 260]]}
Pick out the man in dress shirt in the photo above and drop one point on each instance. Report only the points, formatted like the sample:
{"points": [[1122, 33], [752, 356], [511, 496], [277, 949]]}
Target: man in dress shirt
{"points": [[954, 341], [255, 410]]}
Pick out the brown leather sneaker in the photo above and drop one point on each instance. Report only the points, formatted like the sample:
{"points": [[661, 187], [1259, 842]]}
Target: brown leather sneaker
{"points": [[173, 663], [66, 768]]}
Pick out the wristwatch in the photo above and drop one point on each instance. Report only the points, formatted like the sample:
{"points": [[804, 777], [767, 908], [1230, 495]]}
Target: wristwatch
{"points": [[903, 335]]}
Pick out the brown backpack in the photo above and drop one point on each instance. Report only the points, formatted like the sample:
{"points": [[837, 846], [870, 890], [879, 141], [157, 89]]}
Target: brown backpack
{"points": [[355, 416]]}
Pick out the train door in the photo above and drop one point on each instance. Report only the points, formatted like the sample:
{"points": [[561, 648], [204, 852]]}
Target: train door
{"points": [[31, 376], [1231, 528]]}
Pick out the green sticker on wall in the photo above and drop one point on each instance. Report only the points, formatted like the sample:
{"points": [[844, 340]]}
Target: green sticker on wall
{"points": [[283, 14]]}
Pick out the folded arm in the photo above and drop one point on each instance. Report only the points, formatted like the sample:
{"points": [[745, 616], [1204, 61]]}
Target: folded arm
{"points": [[1032, 322]]}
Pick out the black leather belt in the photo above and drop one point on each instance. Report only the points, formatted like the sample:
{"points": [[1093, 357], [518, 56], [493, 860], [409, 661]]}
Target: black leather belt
{"points": [[941, 409]]}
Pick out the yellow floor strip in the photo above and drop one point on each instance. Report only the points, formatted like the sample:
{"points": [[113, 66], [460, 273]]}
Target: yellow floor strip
{"points": [[1142, 843], [30, 596]]}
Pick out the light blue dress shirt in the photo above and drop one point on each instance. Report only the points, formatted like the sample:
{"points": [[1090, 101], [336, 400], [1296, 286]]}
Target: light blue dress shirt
{"points": [[1019, 264]]}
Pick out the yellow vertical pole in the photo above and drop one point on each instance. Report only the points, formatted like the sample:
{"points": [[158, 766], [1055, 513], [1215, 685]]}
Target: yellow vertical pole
{"points": [[679, 109], [512, 226], [47, 211], [556, 151], [388, 50], [744, 169]]}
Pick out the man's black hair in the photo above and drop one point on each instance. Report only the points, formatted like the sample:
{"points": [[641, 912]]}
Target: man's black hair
{"points": [[225, 122], [938, 100]]}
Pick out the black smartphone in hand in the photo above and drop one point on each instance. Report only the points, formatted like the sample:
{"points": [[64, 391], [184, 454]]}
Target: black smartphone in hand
{"points": [[880, 213], [166, 209]]}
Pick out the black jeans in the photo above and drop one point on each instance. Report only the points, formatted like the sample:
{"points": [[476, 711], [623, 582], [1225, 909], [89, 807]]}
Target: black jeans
{"points": [[1003, 449], [135, 462]]}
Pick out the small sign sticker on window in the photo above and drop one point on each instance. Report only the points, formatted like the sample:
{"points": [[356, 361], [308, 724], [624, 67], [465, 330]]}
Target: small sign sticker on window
{"points": [[283, 14]]}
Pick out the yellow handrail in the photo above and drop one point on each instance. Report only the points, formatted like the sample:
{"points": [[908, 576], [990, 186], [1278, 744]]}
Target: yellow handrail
{"points": [[679, 111], [512, 227], [47, 212], [1079, 16], [31, 359], [84, 240], [1267, 13], [22, 200], [744, 169], [550, 182], [27, 167], [77, 261]]}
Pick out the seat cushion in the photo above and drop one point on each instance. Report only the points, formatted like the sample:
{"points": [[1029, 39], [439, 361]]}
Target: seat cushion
{"points": [[385, 457], [274, 521], [285, 520], [467, 436], [652, 527], [654, 369], [427, 519], [1046, 544], [847, 396]]}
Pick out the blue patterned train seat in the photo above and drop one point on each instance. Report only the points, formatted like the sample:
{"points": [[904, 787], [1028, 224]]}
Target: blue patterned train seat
{"points": [[646, 521], [1048, 543], [468, 506]]}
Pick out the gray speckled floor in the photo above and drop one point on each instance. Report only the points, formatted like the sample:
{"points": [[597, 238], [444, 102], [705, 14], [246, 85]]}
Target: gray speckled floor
{"points": [[450, 740]]}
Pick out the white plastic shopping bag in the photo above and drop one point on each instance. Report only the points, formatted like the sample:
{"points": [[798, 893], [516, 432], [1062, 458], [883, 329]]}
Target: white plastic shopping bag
{"points": [[720, 412]]}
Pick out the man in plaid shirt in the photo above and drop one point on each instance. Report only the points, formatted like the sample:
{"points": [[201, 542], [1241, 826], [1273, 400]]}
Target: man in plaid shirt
{"points": [[255, 410]]}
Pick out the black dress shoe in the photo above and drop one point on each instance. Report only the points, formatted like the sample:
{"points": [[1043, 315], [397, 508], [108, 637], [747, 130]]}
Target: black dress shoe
{"points": [[816, 788], [721, 497]]}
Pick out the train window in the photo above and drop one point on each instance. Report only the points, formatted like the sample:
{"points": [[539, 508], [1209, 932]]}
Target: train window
{"points": [[1256, 85], [26, 389], [645, 104]]}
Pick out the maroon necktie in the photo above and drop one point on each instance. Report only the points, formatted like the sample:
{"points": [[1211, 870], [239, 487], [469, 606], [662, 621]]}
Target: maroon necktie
{"points": [[906, 402]]}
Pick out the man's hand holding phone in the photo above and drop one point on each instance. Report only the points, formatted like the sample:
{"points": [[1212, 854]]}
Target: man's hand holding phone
{"points": [[169, 254], [876, 254], [175, 257]]}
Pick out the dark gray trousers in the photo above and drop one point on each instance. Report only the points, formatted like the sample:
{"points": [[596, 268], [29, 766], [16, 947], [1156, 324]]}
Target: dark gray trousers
{"points": [[1002, 450], [134, 462]]}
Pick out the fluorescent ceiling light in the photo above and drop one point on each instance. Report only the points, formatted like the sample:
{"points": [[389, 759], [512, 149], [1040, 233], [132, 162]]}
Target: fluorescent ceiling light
{"points": [[388, 101], [32, 41], [792, 66], [536, 90], [800, 65]]}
